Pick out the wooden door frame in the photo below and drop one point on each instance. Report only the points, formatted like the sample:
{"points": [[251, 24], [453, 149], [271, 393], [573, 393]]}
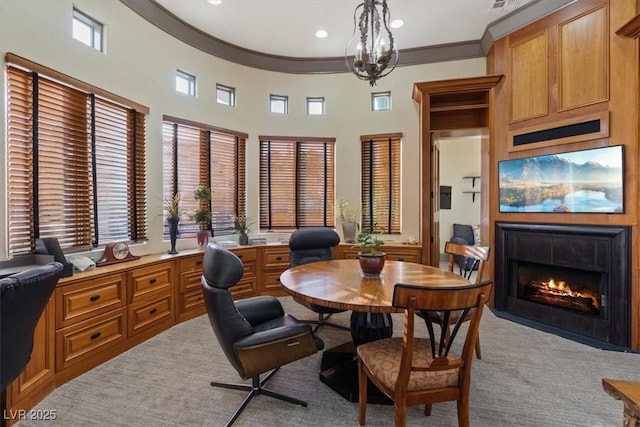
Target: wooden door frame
{"points": [[422, 93]]}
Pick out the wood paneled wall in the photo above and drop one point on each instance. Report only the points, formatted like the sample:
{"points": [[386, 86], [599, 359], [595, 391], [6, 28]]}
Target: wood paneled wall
{"points": [[566, 68]]}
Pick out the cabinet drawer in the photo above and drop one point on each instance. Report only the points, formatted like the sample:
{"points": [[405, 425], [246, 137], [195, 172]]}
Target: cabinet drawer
{"points": [[403, 256], [350, 253], [84, 300], [150, 312], [190, 280], [246, 254], [276, 258], [191, 300], [272, 281], [146, 281], [78, 342], [244, 288], [191, 263], [249, 269]]}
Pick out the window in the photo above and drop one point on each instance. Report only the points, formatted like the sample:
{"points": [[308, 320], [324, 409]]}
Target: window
{"points": [[315, 106], [381, 101], [87, 30], [226, 95], [185, 83], [296, 182], [197, 154], [76, 164], [279, 104], [381, 183]]}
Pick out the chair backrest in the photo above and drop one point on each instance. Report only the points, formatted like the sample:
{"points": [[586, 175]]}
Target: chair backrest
{"points": [[23, 297], [447, 301], [472, 256], [312, 244], [221, 270]]}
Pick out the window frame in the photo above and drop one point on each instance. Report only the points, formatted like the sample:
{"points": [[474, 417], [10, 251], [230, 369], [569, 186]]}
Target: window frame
{"points": [[317, 100], [383, 183], [95, 107], [96, 28], [279, 98], [230, 91], [294, 201], [380, 95], [190, 80], [207, 137]]}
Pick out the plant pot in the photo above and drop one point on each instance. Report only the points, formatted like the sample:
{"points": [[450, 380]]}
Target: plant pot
{"points": [[371, 264], [203, 238], [349, 231], [243, 240]]}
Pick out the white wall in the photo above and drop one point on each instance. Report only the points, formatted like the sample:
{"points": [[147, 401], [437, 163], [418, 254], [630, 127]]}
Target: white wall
{"points": [[459, 157], [140, 63]]}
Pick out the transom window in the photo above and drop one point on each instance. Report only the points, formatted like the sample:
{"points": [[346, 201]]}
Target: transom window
{"points": [[381, 183], [279, 104], [185, 83], [87, 30], [381, 101], [196, 154], [296, 182], [75, 165], [225, 95], [315, 106]]}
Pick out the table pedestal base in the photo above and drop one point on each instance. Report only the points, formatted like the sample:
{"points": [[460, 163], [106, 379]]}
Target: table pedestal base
{"points": [[339, 368]]}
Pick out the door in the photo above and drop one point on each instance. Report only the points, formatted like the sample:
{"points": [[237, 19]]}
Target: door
{"points": [[435, 202]]}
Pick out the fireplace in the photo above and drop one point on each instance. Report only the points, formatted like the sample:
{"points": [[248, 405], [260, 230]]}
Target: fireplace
{"points": [[572, 280]]}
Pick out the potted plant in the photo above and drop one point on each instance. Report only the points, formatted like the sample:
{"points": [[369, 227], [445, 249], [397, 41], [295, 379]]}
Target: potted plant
{"points": [[349, 216], [173, 214], [202, 215], [242, 224], [371, 259]]}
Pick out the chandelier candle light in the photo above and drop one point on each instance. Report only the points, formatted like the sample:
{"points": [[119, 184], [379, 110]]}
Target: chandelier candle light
{"points": [[371, 53]]}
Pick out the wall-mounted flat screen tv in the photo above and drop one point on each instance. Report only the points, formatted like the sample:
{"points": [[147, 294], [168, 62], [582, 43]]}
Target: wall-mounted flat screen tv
{"points": [[585, 181]]}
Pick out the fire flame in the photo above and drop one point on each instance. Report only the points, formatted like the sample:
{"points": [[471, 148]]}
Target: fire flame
{"points": [[561, 288]]}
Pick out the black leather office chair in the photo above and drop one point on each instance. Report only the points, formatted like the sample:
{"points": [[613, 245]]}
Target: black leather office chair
{"points": [[255, 334], [23, 297], [310, 245]]}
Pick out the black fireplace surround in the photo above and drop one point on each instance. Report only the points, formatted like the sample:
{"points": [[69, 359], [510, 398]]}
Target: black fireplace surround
{"points": [[600, 252]]}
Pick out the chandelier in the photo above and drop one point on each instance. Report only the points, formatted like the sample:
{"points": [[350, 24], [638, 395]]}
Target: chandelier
{"points": [[371, 53]]}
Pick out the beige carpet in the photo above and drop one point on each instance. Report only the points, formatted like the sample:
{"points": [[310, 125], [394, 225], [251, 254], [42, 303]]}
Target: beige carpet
{"points": [[526, 378]]}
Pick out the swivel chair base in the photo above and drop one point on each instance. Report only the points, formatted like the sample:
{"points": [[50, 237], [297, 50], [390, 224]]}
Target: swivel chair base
{"points": [[255, 389], [322, 321]]}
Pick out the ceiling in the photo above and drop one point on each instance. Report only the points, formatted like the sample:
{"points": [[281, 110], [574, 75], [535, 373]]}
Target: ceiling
{"points": [[246, 31]]}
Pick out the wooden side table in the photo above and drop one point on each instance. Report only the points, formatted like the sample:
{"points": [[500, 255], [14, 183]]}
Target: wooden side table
{"points": [[629, 393]]}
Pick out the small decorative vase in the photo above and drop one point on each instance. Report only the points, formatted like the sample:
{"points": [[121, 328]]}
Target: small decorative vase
{"points": [[203, 238], [371, 264], [349, 231], [243, 239], [173, 234]]}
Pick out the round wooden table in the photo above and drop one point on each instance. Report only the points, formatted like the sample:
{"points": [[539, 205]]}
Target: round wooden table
{"points": [[340, 284]]}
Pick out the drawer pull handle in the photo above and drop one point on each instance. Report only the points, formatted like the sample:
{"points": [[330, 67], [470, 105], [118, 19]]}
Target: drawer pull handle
{"points": [[279, 258], [198, 262], [95, 336], [94, 298], [240, 256], [152, 281], [153, 311], [400, 259]]}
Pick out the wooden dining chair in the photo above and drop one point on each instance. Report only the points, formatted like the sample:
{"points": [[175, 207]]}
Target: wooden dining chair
{"points": [[471, 257], [414, 371]]}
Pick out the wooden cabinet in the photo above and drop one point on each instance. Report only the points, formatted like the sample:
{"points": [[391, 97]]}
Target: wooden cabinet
{"points": [[150, 298], [189, 297], [275, 260], [248, 285], [395, 252]]}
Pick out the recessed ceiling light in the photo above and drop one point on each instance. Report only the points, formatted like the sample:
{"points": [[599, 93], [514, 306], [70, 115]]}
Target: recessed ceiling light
{"points": [[321, 34], [397, 23], [214, 2]]}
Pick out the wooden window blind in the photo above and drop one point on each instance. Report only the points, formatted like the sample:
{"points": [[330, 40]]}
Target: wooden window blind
{"points": [[76, 165], [198, 154], [381, 183], [296, 182]]}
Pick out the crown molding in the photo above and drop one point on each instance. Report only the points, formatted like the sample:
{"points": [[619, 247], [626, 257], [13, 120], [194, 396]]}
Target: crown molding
{"points": [[176, 27]]}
